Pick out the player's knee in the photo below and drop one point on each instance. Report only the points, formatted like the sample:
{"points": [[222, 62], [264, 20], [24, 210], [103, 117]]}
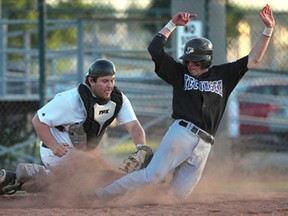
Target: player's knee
{"points": [[154, 177]]}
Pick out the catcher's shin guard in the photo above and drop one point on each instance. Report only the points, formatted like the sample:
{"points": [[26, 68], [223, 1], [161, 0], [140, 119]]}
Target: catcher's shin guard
{"points": [[27, 171], [8, 183]]}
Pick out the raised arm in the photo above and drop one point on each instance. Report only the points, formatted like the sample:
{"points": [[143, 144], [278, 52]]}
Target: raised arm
{"points": [[257, 52]]}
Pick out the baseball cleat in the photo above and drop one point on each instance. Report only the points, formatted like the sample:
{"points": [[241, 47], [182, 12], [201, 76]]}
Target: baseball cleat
{"points": [[7, 182]]}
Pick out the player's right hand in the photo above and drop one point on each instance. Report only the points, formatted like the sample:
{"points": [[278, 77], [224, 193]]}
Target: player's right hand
{"points": [[182, 18], [60, 149]]}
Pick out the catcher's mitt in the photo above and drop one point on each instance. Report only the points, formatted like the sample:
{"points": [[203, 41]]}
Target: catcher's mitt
{"points": [[138, 159]]}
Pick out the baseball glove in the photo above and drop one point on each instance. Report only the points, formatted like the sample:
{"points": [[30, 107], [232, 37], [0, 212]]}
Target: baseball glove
{"points": [[138, 159]]}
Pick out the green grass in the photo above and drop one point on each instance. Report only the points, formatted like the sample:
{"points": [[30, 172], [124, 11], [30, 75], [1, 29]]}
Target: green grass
{"points": [[126, 148], [273, 186], [277, 186]]}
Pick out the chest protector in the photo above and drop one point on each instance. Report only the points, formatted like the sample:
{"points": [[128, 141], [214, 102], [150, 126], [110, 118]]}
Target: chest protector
{"points": [[100, 113]]}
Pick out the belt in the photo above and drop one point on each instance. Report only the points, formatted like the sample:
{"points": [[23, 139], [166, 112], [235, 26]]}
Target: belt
{"points": [[199, 132], [45, 146]]}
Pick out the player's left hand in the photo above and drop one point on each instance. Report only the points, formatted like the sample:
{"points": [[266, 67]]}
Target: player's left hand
{"points": [[267, 16], [137, 160]]}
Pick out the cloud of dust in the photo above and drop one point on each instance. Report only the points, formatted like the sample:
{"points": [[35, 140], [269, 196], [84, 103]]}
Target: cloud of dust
{"points": [[74, 182], [247, 176]]}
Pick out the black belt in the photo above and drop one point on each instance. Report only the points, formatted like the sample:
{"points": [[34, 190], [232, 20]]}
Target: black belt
{"points": [[45, 146], [200, 133]]}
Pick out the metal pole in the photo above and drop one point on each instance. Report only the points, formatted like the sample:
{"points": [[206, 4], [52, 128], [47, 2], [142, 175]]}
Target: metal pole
{"points": [[80, 53], [42, 51], [207, 2], [1, 53], [3, 57]]}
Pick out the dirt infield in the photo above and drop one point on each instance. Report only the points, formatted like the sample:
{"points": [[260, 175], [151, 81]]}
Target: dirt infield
{"points": [[209, 204], [222, 191]]}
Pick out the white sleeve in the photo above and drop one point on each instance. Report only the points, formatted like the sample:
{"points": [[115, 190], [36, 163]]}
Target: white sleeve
{"points": [[126, 113], [63, 109], [53, 113]]}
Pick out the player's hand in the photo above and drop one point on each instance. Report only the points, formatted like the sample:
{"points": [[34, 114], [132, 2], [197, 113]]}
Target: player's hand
{"points": [[267, 16], [182, 18], [60, 149]]}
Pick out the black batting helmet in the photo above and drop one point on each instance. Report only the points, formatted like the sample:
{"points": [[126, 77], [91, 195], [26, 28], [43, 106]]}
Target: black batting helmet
{"points": [[101, 67], [198, 49]]}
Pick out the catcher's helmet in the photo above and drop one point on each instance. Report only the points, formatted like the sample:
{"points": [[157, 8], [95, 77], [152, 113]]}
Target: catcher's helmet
{"points": [[198, 49], [101, 67]]}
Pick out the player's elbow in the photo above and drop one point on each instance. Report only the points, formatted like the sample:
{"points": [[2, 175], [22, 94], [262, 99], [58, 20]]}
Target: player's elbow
{"points": [[252, 62], [34, 120]]}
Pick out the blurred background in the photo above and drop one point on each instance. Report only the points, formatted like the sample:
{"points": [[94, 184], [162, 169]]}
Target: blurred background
{"points": [[46, 47]]}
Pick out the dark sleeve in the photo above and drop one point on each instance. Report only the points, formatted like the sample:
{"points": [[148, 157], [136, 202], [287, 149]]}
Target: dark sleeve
{"points": [[243, 61], [231, 73], [237, 69], [156, 47], [165, 66], [234, 70]]}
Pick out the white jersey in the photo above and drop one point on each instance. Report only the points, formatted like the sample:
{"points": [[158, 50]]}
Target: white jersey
{"points": [[66, 109]]}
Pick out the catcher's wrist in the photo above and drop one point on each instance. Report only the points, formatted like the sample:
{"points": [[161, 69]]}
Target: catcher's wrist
{"points": [[268, 31], [170, 26], [140, 145]]}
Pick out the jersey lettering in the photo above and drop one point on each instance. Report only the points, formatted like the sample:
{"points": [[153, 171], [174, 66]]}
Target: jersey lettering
{"points": [[191, 83], [102, 112]]}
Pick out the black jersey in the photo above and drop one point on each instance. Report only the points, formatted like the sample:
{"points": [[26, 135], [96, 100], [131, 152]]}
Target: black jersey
{"points": [[200, 100]]}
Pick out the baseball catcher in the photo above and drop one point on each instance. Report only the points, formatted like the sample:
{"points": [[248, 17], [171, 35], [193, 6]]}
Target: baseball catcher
{"points": [[139, 159], [77, 119]]}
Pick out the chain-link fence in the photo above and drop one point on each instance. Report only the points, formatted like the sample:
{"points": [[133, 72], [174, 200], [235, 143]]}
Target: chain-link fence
{"points": [[258, 108], [77, 32]]}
